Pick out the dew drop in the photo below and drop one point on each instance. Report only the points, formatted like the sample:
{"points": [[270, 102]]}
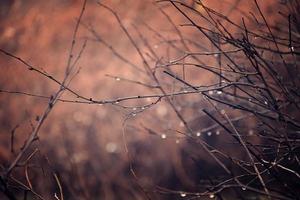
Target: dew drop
{"points": [[223, 112], [211, 92], [217, 132], [292, 49], [181, 124], [118, 79], [182, 194], [177, 141], [163, 136], [209, 133], [211, 196], [133, 114], [243, 188], [219, 92], [134, 108], [198, 134]]}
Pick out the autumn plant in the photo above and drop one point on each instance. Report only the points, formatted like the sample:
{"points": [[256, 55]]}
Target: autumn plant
{"points": [[224, 92]]}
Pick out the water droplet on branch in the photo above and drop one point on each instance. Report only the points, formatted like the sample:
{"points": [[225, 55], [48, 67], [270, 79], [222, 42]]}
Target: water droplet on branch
{"points": [[182, 194], [292, 49], [181, 124]]}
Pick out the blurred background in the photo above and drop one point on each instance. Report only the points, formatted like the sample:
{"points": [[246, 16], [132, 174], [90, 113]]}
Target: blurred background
{"points": [[85, 144]]}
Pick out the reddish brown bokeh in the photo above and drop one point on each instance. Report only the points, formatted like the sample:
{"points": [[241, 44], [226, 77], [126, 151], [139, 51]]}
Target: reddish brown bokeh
{"points": [[84, 144]]}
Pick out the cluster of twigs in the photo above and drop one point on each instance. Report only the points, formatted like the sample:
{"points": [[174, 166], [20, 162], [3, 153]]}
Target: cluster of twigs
{"points": [[258, 76], [254, 66], [22, 158]]}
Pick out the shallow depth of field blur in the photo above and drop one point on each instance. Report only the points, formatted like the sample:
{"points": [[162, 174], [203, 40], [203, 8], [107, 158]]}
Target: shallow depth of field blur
{"points": [[111, 151]]}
